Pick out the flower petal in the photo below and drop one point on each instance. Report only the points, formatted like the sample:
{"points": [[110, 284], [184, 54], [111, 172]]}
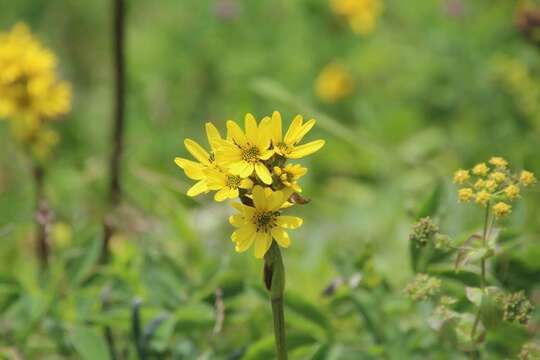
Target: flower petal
{"points": [[294, 128], [264, 134], [263, 173], [289, 222], [262, 244], [235, 133], [236, 220], [276, 128], [233, 193], [197, 189], [214, 137], [252, 132], [197, 151], [244, 237], [281, 236], [222, 194], [193, 170], [306, 149], [241, 168], [259, 198], [275, 200], [303, 131], [266, 154], [246, 184]]}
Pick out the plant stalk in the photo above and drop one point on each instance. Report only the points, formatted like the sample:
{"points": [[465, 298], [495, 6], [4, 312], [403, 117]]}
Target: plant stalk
{"points": [[274, 281], [115, 188], [41, 216], [482, 270]]}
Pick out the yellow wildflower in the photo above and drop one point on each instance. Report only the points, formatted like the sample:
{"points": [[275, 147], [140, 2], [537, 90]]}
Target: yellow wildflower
{"points": [[227, 185], [482, 197], [498, 162], [480, 169], [511, 191], [465, 194], [527, 178], [501, 209], [490, 185], [498, 176], [479, 184], [361, 14], [333, 83], [245, 153], [29, 89], [288, 146], [197, 170], [262, 222], [461, 176], [290, 174]]}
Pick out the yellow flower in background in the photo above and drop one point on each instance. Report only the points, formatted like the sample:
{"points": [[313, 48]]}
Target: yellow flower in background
{"points": [[527, 178], [29, 88], [511, 192], [196, 170], [461, 176], [362, 15], [245, 153], [497, 176], [480, 169], [288, 146], [479, 184], [226, 184], [333, 83], [289, 175], [263, 222], [490, 185], [498, 162], [465, 194], [483, 197], [501, 209]]}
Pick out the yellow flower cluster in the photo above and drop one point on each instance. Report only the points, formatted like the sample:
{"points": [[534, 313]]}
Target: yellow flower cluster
{"points": [[333, 83], [492, 183], [362, 15], [250, 164], [30, 92]]}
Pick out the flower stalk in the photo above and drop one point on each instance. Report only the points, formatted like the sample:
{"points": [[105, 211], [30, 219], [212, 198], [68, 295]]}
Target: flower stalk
{"points": [[274, 281], [41, 217]]}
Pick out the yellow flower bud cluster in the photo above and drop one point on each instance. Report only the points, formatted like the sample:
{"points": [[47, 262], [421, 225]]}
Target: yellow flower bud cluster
{"points": [[492, 182], [30, 92], [333, 83]]}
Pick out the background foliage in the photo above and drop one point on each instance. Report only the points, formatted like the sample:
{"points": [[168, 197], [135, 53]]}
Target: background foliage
{"points": [[438, 85]]}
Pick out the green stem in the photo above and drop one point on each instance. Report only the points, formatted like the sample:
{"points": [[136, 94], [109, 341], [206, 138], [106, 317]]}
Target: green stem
{"points": [[482, 270], [274, 281]]}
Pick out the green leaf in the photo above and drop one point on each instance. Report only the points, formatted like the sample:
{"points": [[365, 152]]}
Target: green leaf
{"points": [[474, 295], [89, 344]]}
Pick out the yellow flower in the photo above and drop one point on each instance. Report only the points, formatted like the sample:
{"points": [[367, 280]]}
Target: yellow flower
{"points": [[461, 176], [226, 184], [361, 14], [527, 178], [498, 176], [465, 194], [333, 83], [479, 184], [511, 191], [29, 88], [501, 209], [197, 170], [263, 222], [245, 153], [498, 162], [482, 197], [490, 185], [480, 169], [290, 174], [288, 146]]}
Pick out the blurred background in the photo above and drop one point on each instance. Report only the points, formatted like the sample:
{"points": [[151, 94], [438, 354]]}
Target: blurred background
{"points": [[404, 93]]}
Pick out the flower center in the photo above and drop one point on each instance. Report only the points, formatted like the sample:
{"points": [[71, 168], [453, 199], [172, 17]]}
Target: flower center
{"points": [[265, 221], [251, 154], [233, 181]]}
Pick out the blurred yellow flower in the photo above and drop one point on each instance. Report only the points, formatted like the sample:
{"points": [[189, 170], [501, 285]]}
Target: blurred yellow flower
{"points": [[498, 176], [288, 146], [262, 222], [290, 174], [501, 209], [29, 88], [245, 153], [465, 194], [499, 162], [461, 176], [479, 184], [482, 197], [480, 169], [333, 83], [511, 192], [527, 178], [490, 185], [362, 15]]}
